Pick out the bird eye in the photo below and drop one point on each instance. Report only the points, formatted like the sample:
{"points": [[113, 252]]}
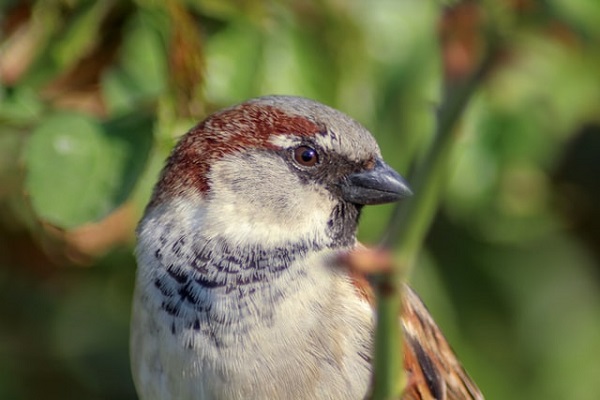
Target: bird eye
{"points": [[306, 156]]}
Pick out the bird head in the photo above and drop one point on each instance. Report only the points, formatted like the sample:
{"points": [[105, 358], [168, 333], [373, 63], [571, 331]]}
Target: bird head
{"points": [[278, 169]]}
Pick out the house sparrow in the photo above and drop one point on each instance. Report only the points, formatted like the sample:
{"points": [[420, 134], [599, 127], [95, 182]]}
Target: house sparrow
{"points": [[239, 294]]}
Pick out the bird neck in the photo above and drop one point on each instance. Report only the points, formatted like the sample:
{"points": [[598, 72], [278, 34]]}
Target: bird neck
{"points": [[204, 279]]}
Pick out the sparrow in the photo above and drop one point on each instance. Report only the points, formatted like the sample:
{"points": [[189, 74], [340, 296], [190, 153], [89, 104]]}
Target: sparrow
{"points": [[239, 293]]}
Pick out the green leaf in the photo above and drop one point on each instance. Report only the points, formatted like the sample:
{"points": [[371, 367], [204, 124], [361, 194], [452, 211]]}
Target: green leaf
{"points": [[81, 33], [141, 73], [234, 59], [19, 105], [79, 170]]}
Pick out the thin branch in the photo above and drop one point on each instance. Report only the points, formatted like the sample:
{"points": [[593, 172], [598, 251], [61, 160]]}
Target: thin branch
{"points": [[410, 222]]}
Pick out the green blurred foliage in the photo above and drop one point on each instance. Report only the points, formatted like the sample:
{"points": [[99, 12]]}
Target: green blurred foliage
{"points": [[93, 95]]}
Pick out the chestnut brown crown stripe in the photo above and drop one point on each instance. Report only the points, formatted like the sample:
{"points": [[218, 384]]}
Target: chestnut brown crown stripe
{"points": [[241, 127]]}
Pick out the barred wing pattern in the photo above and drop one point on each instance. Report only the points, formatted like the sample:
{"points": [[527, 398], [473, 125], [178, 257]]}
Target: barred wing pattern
{"points": [[432, 369]]}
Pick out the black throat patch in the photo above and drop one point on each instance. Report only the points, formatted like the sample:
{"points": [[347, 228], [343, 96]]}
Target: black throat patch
{"points": [[208, 285], [342, 224]]}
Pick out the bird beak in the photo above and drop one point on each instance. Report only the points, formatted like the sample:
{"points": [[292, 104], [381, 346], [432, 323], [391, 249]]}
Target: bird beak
{"points": [[376, 186]]}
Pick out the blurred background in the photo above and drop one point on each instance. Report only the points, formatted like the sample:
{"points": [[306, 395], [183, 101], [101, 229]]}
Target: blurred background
{"points": [[93, 95]]}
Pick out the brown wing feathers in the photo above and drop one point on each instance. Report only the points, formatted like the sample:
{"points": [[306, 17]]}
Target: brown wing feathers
{"points": [[432, 369]]}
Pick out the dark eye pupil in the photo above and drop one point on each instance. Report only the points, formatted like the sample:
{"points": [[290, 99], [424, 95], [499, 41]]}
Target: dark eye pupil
{"points": [[306, 156]]}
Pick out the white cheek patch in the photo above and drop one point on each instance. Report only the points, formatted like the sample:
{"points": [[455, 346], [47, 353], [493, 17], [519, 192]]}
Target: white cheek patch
{"points": [[259, 200]]}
